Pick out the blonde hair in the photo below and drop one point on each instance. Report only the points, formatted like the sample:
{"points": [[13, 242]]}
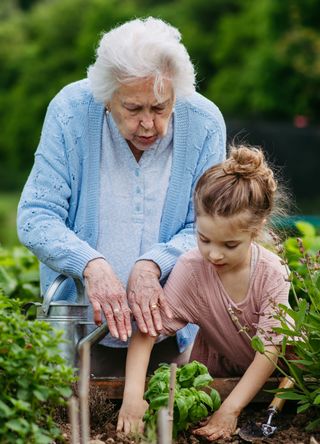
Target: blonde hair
{"points": [[244, 183]]}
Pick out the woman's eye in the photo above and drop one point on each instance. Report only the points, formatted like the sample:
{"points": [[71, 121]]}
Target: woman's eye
{"points": [[159, 109]]}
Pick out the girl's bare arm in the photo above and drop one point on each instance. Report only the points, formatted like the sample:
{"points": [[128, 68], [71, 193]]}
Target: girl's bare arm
{"points": [[133, 405]]}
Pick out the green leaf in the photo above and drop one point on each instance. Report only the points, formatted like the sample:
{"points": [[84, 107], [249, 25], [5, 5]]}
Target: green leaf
{"points": [[216, 399], [7, 282], [182, 408], [313, 425], [5, 411], [159, 401], [303, 407], [206, 399], [188, 371], [201, 368], [19, 425], [198, 412], [291, 395], [257, 344], [64, 391], [317, 400], [306, 229], [202, 380], [21, 405]]}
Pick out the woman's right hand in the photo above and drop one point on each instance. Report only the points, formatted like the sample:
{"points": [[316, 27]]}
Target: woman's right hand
{"points": [[106, 293], [131, 414]]}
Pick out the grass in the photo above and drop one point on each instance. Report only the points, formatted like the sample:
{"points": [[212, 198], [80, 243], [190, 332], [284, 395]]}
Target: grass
{"points": [[8, 213]]}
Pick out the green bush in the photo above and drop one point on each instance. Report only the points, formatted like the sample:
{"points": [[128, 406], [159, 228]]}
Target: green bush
{"points": [[19, 274], [301, 255], [300, 324], [34, 378]]}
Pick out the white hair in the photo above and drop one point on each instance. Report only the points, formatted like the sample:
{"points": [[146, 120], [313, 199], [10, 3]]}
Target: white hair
{"points": [[141, 48]]}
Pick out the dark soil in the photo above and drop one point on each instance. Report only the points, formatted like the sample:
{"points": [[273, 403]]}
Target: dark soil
{"points": [[103, 419]]}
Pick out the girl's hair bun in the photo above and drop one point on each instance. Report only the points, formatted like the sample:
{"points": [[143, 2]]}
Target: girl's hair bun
{"points": [[249, 163]]}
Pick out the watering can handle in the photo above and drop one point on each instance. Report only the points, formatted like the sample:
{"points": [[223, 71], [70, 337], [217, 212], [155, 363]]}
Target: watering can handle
{"points": [[47, 297]]}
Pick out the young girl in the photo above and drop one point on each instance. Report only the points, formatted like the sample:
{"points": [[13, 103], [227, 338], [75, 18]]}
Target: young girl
{"points": [[228, 276]]}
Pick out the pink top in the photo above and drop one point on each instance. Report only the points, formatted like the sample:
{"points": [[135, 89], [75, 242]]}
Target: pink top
{"points": [[195, 294]]}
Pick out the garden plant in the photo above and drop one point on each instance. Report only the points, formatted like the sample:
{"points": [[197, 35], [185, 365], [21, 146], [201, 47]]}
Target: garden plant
{"points": [[34, 378], [194, 399], [300, 324], [19, 274]]}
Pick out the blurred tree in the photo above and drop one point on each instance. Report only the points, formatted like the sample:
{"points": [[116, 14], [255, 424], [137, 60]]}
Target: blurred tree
{"points": [[267, 58], [254, 59], [46, 49]]}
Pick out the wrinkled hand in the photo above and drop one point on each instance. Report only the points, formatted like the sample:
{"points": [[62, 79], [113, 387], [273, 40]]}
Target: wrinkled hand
{"points": [[146, 296], [106, 293], [222, 424], [130, 416]]}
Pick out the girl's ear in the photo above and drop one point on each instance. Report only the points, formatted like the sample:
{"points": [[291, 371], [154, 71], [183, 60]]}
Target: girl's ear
{"points": [[258, 230]]}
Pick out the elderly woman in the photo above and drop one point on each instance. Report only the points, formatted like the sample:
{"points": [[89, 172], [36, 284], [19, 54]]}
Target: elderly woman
{"points": [[109, 198]]}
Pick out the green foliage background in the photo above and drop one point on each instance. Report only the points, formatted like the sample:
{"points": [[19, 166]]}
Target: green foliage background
{"points": [[254, 59]]}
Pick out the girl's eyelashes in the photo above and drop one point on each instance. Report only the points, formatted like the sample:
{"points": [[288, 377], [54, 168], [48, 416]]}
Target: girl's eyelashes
{"points": [[228, 245], [231, 246], [203, 239]]}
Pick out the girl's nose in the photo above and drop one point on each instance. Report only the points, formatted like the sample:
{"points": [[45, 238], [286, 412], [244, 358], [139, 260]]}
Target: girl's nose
{"points": [[215, 255]]}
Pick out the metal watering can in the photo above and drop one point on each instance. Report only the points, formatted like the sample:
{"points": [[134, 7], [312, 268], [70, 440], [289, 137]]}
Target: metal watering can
{"points": [[71, 318]]}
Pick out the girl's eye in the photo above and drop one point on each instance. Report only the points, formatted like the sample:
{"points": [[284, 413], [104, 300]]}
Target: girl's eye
{"points": [[204, 240], [231, 246]]}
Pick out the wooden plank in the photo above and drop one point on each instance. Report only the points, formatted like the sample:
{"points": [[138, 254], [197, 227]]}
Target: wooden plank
{"points": [[113, 387]]}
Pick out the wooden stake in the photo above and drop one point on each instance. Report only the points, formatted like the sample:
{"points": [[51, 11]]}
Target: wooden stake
{"points": [[73, 407], [163, 429], [172, 386], [84, 393]]}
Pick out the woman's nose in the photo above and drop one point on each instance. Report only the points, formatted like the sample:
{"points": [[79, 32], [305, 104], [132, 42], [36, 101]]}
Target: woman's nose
{"points": [[147, 121]]}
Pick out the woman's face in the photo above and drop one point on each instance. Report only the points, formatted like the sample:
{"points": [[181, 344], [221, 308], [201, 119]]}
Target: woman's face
{"points": [[139, 116]]}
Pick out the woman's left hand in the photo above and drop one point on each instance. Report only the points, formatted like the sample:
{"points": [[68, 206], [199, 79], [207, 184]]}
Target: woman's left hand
{"points": [[222, 424], [145, 296]]}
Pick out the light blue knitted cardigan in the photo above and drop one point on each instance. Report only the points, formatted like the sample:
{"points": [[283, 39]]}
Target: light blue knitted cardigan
{"points": [[58, 210]]}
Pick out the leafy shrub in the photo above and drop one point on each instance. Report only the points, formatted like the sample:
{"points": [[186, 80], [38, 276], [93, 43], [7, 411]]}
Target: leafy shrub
{"points": [[19, 274], [190, 403], [300, 324], [34, 378], [298, 253]]}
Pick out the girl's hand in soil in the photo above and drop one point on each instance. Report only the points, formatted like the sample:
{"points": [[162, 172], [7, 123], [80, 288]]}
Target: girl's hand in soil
{"points": [[107, 295], [130, 416], [146, 297], [222, 424]]}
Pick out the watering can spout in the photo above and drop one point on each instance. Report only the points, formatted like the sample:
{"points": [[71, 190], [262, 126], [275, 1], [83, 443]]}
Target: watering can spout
{"points": [[94, 336], [70, 318]]}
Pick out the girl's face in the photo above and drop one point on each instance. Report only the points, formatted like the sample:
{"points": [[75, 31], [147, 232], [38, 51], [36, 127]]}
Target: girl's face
{"points": [[223, 243]]}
